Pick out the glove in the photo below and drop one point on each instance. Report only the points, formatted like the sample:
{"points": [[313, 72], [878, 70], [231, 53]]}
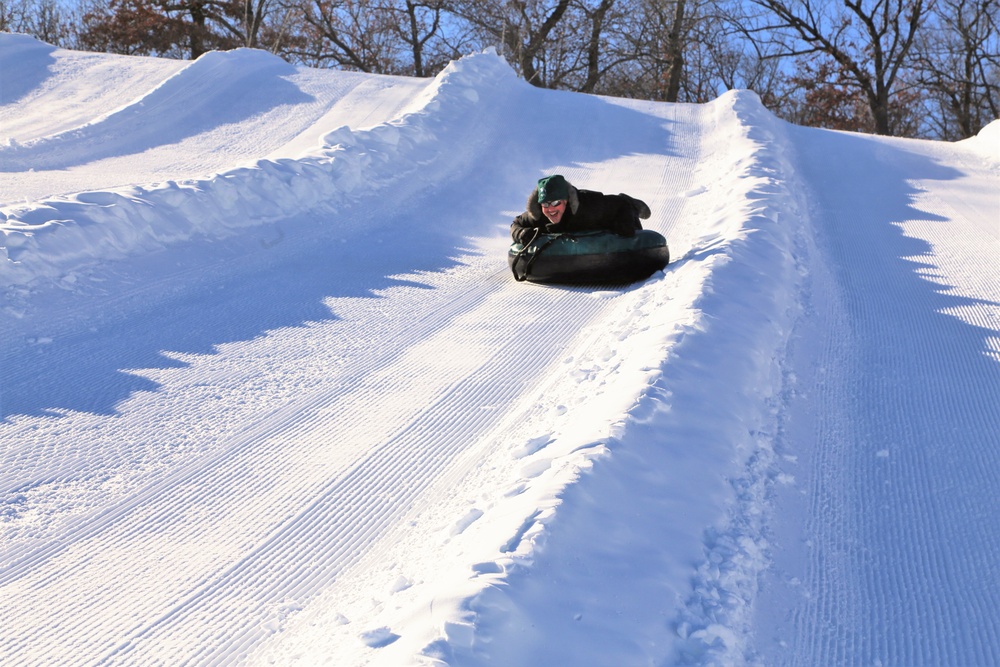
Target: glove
{"points": [[524, 235], [640, 207]]}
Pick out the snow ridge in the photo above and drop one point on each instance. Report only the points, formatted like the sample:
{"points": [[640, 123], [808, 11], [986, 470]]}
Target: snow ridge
{"points": [[210, 76], [61, 237], [750, 239], [766, 252]]}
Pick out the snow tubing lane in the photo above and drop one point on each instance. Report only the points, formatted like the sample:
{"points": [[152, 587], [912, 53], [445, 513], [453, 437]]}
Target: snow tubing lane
{"points": [[589, 257]]}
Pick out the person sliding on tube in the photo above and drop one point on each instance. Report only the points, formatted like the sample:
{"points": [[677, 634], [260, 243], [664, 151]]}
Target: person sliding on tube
{"points": [[555, 207]]}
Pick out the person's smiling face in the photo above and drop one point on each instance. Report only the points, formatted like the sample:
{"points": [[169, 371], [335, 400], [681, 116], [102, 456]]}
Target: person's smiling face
{"points": [[554, 210]]}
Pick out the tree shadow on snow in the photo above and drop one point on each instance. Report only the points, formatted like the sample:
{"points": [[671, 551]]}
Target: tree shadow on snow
{"points": [[899, 306], [229, 299], [920, 391]]}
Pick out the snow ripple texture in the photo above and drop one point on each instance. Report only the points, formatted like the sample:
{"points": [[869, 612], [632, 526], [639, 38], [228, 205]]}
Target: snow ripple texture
{"points": [[897, 397]]}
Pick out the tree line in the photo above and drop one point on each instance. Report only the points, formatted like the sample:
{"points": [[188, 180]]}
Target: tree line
{"points": [[914, 68]]}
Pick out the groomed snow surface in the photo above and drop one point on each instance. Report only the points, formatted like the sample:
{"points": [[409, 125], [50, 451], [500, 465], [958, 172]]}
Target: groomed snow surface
{"points": [[270, 395]]}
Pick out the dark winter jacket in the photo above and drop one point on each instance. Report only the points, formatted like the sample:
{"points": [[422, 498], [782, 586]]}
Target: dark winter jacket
{"points": [[586, 210]]}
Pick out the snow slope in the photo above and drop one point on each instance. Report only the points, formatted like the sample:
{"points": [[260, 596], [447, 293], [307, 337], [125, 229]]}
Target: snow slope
{"points": [[271, 396]]}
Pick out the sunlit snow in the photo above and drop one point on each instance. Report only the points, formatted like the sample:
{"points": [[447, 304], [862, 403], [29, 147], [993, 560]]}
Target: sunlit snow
{"points": [[271, 396]]}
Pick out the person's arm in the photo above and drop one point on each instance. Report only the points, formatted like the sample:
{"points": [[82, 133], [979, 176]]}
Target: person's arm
{"points": [[627, 214], [523, 228]]}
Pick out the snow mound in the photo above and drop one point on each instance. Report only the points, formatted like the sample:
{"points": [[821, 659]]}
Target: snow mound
{"points": [[987, 141], [50, 239], [24, 62], [217, 80]]}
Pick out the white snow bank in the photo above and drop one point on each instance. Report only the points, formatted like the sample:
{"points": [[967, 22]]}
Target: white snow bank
{"points": [[48, 91], [32, 58], [23, 49], [768, 256], [52, 239], [986, 142], [222, 76]]}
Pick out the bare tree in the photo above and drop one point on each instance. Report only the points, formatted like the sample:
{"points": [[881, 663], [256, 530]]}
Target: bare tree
{"points": [[533, 36], [597, 19], [869, 39], [958, 63], [417, 24], [350, 34], [589, 43], [245, 20], [47, 20], [674, 50], [520, 28]]}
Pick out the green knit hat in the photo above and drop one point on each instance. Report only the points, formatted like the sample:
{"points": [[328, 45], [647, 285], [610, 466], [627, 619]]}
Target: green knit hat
{"points": [[552, 188]]}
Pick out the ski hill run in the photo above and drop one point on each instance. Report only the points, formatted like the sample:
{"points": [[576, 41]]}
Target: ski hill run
{"points": [[270, 395]]}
